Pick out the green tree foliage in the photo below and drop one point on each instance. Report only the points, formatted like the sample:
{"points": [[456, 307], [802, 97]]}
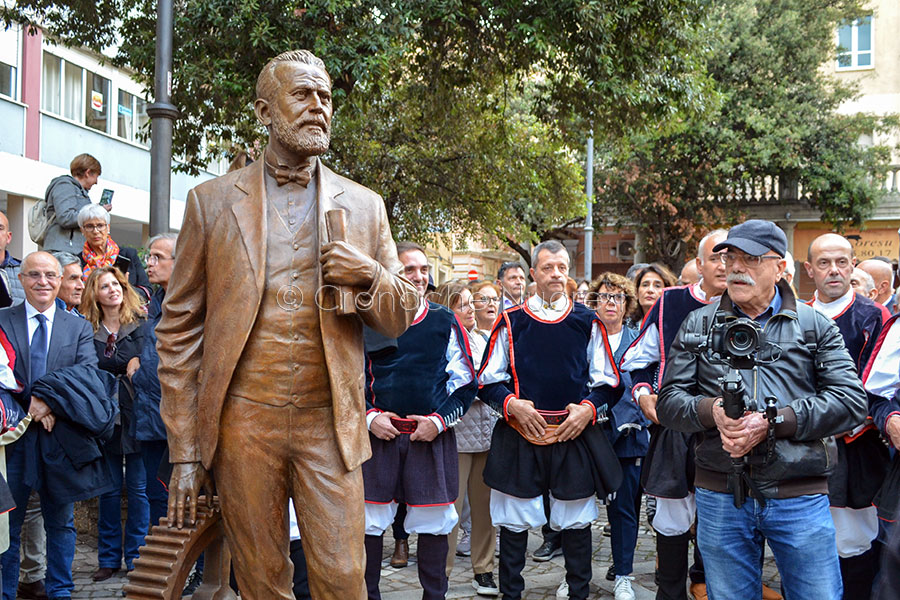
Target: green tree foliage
{"points": [[776, 119], [510, 176], [457, 111]]}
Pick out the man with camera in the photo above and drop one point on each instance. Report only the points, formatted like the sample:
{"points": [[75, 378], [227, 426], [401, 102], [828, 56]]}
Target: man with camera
{"points": [[667, 472], [766, 382]]}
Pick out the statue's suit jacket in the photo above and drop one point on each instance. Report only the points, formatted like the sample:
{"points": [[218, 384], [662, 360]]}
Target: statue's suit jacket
{"points": [[214, 295]]}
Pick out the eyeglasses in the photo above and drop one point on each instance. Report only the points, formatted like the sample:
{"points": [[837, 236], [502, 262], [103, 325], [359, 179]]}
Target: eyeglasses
{"points": [[751, 262], [94, 226], [605, 298], [154, 259], [35, 275], [482, 302], [110, 345]]}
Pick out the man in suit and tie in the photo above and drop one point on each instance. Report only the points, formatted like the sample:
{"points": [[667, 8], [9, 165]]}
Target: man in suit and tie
{"points": [[262, 378], [44, 339]]}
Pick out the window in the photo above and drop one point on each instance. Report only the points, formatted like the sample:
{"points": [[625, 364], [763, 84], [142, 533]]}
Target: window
{"points": [[131, 115], [61, 84], [10, 54], [97, 102], [7, 80], [142, 130], [125, 116], [855, 44], [76, 94], [50, 100], [72, 99]]}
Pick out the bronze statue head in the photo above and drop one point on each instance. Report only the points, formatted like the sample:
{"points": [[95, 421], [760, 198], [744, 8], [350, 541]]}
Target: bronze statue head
{"points": [[294, 103]]}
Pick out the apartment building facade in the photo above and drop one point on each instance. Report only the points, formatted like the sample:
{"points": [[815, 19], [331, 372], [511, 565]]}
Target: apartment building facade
{"points": [[56, 103]]}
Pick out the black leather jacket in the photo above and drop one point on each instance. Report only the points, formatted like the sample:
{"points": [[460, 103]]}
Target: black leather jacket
{"points": [[817, 398]]}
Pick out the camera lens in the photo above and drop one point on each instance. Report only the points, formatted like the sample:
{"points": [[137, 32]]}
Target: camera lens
{"points": [[742, 339]]}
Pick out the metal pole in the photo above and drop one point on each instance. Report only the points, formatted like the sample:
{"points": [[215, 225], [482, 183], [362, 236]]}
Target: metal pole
{"points": [[589, 219], [163, 115]]}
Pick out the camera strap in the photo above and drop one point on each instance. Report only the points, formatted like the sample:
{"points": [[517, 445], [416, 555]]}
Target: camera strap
{"points": [[741, 485], [806, 317], [772, 418]]}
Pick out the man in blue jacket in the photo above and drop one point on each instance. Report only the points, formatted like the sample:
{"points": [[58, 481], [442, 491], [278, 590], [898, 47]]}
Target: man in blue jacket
{"points": [[149, 426], [44, 339]]}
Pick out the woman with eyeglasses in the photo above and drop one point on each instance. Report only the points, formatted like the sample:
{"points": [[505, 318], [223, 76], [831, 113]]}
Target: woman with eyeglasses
{"points": [[100, 250], [473, 439], [612, 297], [486, 298], [114, 310]]}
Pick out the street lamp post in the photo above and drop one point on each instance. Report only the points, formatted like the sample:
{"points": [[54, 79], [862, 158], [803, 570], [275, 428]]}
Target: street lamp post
{"points": [[589, 219], [163, 114]]}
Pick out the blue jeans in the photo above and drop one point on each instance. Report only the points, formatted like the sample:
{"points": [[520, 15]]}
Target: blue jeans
{"points": [[110, 549], [800, 533], [623, 517], [157, 494], [59, 523]]}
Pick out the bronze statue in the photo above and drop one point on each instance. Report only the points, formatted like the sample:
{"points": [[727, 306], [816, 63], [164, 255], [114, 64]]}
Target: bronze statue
{"points": [[261, 362]]}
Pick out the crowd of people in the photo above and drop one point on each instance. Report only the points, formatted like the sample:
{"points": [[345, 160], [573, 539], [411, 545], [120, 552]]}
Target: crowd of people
{"points": [[742, 414], [81, 306], [820, 463], [814, 449]]}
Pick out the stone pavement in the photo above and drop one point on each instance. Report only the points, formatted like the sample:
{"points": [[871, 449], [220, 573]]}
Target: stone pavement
{"points": [[541, 579]]}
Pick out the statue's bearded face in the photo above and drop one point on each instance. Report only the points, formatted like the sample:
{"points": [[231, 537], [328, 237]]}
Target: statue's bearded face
{"points": [[301, 109]]}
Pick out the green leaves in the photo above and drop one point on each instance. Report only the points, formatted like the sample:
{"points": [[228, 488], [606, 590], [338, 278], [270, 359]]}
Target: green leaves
{"points": [[777, 119], [462, 113]]}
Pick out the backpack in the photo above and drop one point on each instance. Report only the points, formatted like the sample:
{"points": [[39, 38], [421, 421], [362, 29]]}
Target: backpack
{"points": [[40, 218], [42, 215]]}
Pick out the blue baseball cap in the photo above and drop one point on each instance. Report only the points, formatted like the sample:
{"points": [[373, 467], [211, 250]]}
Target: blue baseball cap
{"points": [[755, 237]]}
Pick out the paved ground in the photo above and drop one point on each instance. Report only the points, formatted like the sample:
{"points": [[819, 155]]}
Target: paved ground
{"points": [[541, 579]]}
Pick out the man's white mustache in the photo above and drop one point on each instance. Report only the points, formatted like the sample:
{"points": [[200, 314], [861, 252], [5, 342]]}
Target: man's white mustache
{"points": [[740, 278]]}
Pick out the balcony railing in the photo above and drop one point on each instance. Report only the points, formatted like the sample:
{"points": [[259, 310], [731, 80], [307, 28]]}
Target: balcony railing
{"points": [[781, 190]]}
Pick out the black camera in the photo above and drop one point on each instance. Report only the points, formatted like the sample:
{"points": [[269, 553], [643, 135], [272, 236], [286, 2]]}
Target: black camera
{"points": [[741, 344], [737, 342]]}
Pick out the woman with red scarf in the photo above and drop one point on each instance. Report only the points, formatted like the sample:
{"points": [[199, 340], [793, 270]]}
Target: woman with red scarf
{"points": [[101, 251]]}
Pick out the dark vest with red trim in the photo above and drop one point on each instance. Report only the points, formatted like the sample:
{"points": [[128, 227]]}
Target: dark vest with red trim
{"points": [[859, 324], [862, 460], [413, 379], [548, 362], [668, 313]]}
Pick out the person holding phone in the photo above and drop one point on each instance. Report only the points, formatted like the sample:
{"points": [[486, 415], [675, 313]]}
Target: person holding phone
{"points": [[414, 397], [65, 196], [100, 250]]}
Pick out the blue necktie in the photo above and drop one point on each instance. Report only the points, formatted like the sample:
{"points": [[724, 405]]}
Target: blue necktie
{"points": [[39, 349]]}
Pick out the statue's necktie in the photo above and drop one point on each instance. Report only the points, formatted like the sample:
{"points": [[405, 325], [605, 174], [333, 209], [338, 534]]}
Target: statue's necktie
{"points": [[39, 349]]}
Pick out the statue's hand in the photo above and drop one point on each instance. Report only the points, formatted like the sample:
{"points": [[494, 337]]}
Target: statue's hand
{"points": [[187, 480], [343, 264]]}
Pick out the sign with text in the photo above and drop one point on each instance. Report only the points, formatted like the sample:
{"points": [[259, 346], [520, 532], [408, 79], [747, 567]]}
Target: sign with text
{"points": [[866, 244]]}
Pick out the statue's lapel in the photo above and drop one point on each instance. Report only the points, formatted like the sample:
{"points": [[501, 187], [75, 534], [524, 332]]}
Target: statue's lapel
{"points": [[250, 213], [330, 196]]}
